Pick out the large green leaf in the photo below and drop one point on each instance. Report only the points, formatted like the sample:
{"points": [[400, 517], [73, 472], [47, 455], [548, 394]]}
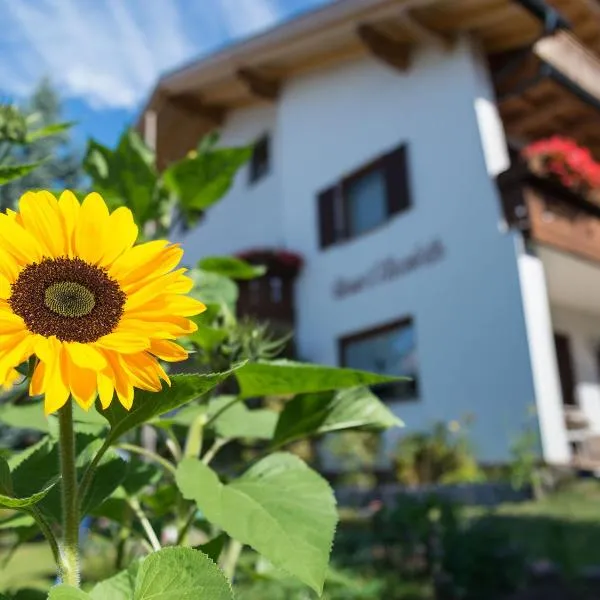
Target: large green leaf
{"points": [[119, 587], [109, 475], [284, 377], [124, 175], [149, 405], [200, 181], [238, 421], [67, 592], [24, 416], [314, 414], [6, 486], [230, 266], [280, 507], [180, 574], [8, 172], [17, 503], [212, 288]]}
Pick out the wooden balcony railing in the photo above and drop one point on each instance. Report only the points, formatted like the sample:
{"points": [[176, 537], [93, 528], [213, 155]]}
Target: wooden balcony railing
{"points": [[549, 213]]}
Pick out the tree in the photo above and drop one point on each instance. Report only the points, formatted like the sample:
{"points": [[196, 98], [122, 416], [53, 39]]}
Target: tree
{"points": [[61, 166]]}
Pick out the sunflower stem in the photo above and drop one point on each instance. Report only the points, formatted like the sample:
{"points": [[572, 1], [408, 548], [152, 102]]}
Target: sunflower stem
{"points": [[193, 443], [70, 509]]}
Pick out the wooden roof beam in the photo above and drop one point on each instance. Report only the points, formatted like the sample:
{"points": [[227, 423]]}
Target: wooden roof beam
{"points": [[574, 62], [424, 34], [259, 85], [194, 106], [392, 52]]}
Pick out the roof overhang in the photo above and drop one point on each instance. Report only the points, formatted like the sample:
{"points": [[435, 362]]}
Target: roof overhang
{"points": [[194, 99]]}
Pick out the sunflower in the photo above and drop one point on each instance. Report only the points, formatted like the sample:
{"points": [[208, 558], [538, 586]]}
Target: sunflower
{"points": [[95, 311]]}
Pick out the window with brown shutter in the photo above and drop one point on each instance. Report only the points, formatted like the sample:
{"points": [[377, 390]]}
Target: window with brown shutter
{"points": [[365, 199]]}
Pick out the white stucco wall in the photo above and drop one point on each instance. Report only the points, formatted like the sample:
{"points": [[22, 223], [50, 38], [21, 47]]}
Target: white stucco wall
{"points": [[467, 309], [472, 344], [583, 330], [249, 215]]}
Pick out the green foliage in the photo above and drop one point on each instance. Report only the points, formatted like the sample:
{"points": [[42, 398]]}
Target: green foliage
{"points": [[150, 405], [281, 377], [279, 506], [314, 414], [181, 573], [436, 456], [35, 149], [204, 177], [230, 266], [293, 529]]}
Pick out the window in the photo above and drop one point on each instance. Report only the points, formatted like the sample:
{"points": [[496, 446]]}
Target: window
{"points": [[260, 160], [389, 350], [565, 368], [365, 199]]}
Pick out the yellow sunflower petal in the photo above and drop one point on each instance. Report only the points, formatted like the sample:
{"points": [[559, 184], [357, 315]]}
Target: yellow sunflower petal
{"points": [[69, 208], [123, 233], [159, 287], [124, 343], [9, 267], [85, 356], [169, 351], [142, 370], [16, 349], [11, 379], [82, 383], [56, 390], [121, 381], [91, 231], [41, 216], [36, 387], [181, 306], [5, 289], [106, 389], [18, 242]]}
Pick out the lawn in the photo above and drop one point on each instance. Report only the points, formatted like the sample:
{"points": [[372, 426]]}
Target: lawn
{"points": [[563, 528]]}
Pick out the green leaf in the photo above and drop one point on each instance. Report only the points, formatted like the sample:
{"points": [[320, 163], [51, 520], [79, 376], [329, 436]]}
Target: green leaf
{"points": [[214, 547], [124, 175], [25, 416], [67, 592], [11, 502], [212, 288], [315, 414], [232, 267], [49, 130], [282, 377], [180, 574], [119, 587], [110, 473], [238, 421], [149, 405], [9, 173], [6, 486], [207, 337], [140, 475], [33, 469], [280, 507], [200, 181]]}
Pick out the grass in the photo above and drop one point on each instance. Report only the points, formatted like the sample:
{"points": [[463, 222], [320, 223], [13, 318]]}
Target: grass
{"points": [[563, 528]]}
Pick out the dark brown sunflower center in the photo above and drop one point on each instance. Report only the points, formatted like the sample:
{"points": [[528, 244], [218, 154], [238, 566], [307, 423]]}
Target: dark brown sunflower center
{"points": [[68, 298]]}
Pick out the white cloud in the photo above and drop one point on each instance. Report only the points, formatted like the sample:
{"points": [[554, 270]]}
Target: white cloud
{"points": [[110, 53], [249, 16]]}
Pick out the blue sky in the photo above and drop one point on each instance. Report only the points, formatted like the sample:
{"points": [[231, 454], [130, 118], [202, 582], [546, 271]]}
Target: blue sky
{"points": [[104, 56]]}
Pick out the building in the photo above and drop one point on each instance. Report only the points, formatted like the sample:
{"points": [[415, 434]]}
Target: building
{"points": [[382, 132]]}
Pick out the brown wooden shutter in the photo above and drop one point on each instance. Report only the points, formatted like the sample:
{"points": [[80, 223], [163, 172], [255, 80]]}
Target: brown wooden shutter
{"points": [[397, 180], [565, 368], [327, 217]]}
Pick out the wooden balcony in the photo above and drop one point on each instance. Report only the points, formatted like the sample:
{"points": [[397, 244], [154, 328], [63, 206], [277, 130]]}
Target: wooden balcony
{"points": [[549, 213]]}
